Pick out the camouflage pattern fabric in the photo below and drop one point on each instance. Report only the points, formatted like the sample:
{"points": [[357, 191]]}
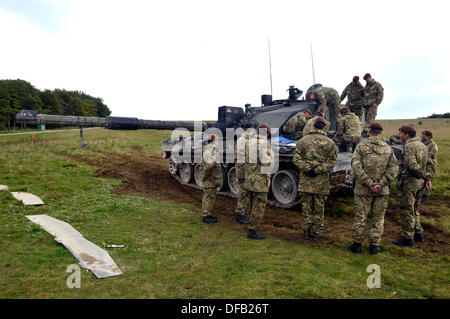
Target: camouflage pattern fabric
{"points": [[396, 139], [258, 154], [355, 95], [373, 161], [373, 94], [432, 161], [349, 129], [313, 207], [327, 98], [295, 125], [243, 202], [315, 151], [239, 155], [209, 197], [370, 113], [411, 185], [309, 126], [364, 204], [258, 202], [210, 169]]}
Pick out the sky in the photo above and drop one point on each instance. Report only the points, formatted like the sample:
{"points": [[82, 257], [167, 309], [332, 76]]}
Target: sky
{"points": [[181, 60]]}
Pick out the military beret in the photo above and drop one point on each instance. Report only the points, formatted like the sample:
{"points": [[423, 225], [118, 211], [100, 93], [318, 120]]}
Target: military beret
{"points": [[355, 78], [366, 76], [428, 133], [308, 111], [266, 126], [213, 137], [375, 126], [320, 120], [407, 128], [344, 110]]}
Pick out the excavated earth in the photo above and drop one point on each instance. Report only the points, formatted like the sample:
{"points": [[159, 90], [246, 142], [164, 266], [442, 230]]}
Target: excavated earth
{"points": [[148, 176]]}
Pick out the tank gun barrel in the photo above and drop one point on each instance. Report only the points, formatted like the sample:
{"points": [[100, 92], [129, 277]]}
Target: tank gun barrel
{"points": [[111, 122]]}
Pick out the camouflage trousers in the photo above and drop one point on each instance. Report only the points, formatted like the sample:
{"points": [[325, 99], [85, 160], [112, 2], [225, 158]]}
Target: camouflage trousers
{"points": [[256, 202], [334, 104], [364, 204], [243, 202], [409, 211], [370, 113], [313, 207], [209, 197]]}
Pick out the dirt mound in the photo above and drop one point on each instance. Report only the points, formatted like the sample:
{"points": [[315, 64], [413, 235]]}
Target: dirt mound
{"points": [[148, 176]]}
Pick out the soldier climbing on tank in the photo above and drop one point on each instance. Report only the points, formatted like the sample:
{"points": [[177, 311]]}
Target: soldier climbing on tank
{"points": [[296, 124], [211, 175], [373, 95], [355, 94], [258, 158], [327, 98], [427, 139], [349, 130]]}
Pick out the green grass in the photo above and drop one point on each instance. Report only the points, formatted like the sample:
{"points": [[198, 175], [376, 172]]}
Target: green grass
{"points": [[168, 252]]}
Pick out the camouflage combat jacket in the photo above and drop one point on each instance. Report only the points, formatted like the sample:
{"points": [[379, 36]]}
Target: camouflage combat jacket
{"points": [[295, 125], [413, 165], [432, 157], [239, 155], [354, 93], [349, 128], [315, 151], [210, 168], [373, 161], [326, 96], [258, 155], [309, 126], [373, 93]]}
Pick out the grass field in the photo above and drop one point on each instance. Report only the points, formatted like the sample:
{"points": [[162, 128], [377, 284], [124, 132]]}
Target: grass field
{"points": [[168, 252]]}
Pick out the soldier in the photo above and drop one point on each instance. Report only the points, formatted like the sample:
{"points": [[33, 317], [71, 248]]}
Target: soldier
{"points": [[427, 139], [211, 173], [375, 167], [412, 180], [310, 123], [296, 124], [373, 95], [326, 98], [349, 130], [395, 138], [315, 155], [258, 157], [355, 94], [243, 201]]}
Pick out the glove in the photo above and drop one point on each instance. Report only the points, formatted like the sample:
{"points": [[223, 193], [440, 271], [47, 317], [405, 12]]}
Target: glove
{"points": [[311, 173]]}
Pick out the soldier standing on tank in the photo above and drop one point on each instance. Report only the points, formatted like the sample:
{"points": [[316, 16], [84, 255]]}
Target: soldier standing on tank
{"points": [[412, 180], [258, 158], [375, 167], [243, 201], [349, 130], [315, 155], [373, 95], [296, 124], [427, 139], [355, 95], [327, 98], [211, 174]]}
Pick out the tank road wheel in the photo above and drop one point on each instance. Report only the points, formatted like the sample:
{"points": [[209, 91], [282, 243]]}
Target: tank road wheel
{"points": [[173, 168], [198, 175], [233, 182], [186, 172], [284, 186]]}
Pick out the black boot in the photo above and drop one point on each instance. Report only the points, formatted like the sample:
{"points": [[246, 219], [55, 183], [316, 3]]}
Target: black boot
{"points": [[355, 248], [210, 219], [404, 242], [253, 234], [419, 237], [374, 249], [306, 235], [241, 219], [317, 237]]}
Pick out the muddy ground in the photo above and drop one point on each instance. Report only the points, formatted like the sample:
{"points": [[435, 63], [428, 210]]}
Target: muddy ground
{"points": [[148, 176]]}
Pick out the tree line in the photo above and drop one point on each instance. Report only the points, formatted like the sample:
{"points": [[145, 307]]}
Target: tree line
{"points": [[439, 116], [16, 95]]}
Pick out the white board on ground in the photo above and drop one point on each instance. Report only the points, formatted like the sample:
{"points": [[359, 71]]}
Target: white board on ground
{"points": [[27, 198], [88, 254], [3, 188]]}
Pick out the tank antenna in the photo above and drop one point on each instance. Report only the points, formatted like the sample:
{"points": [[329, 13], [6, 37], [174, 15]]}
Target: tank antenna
{"points": [[270, 68], [312, 62]]}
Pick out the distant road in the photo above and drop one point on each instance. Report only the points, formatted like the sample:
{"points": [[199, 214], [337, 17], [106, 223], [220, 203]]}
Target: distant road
{"points": [[58, 131]]}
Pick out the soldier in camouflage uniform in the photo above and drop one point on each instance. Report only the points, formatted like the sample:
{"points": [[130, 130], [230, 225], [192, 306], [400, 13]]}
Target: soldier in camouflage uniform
{"points": [[258, 156], [296, 124], [427, 139], [355, 94], [211, 174], [395, 138], [327, 98], [310, 123], [315, 155], [349, 130], [373, 95], [412, 180], [243, 201], [375, 167]]}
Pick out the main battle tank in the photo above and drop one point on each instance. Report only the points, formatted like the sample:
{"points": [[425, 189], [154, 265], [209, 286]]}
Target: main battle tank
{"points": [[183, 150]]}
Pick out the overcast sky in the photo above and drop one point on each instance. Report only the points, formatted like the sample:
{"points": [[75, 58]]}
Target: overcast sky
{"points": [[183, 59]]}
